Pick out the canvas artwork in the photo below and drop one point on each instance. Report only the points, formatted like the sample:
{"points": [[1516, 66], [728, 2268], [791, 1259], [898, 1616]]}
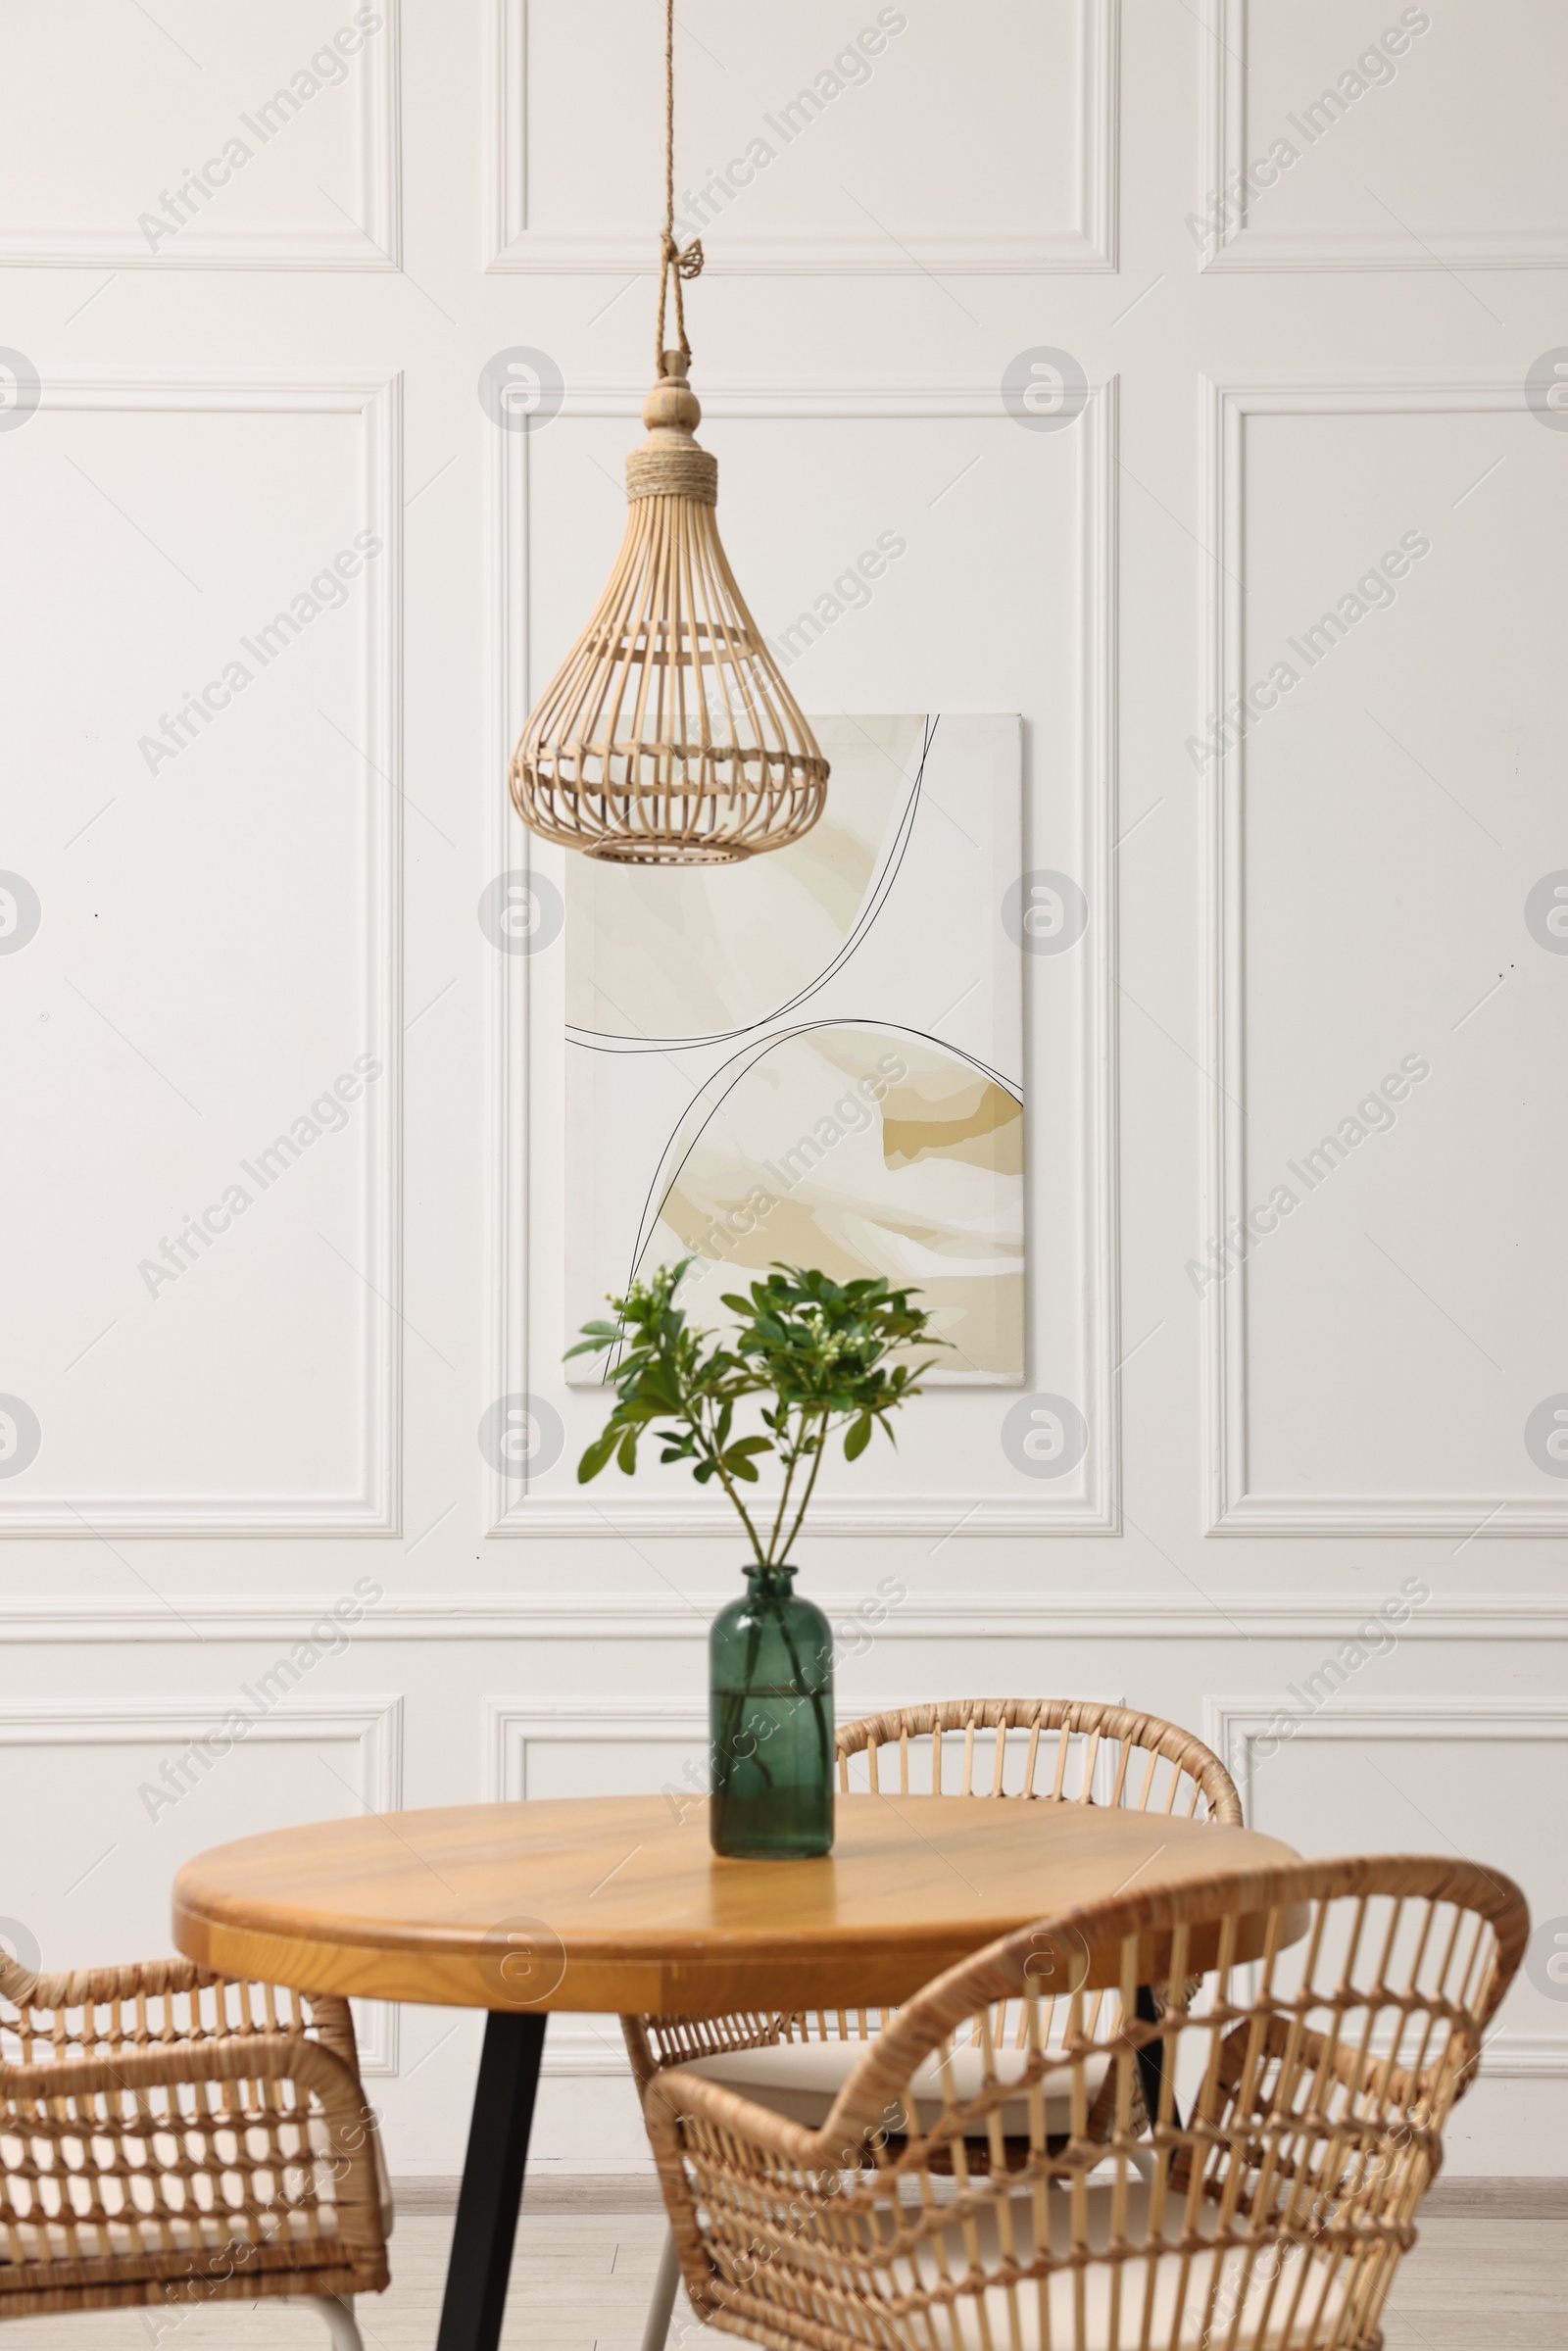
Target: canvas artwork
{"points": [[814, 1055]]}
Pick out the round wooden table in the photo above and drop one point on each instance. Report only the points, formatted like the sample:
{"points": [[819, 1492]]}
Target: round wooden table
{"points": [[617, 1904]]}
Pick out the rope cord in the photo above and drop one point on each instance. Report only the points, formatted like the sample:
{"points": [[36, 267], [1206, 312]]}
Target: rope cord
{"points": [[674, 262]]}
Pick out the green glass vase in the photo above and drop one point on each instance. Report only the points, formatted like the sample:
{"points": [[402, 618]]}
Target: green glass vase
{"points": [[770, 1680]]}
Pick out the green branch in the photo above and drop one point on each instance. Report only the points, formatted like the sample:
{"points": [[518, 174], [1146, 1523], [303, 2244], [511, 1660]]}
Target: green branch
{"points": [[828, 1355]]}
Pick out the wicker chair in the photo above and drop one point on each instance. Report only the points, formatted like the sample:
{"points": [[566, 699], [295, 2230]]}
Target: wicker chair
{"points": [[1045, 1750], [1314, 2081], [167, 2135]]}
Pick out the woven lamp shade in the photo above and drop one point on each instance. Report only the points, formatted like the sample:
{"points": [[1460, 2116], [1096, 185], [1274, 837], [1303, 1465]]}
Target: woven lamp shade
{"points": [[668, 736]]}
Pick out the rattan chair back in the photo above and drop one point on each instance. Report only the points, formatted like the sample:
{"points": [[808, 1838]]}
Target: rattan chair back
{"points": [[1062, 1750]]}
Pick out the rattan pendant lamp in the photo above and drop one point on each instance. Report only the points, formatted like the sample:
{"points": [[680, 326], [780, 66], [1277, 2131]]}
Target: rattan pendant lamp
{"points": [[668, 736]]}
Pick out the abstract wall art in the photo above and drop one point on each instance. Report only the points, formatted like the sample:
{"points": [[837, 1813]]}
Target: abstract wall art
{"points": [[816, 1056]]}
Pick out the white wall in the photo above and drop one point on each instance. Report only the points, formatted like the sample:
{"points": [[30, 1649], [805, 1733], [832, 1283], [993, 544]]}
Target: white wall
{"points": [[223, 933]]}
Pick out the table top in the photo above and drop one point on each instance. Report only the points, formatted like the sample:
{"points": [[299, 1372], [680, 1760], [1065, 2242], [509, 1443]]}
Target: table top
{"points": [[618, 1903]]}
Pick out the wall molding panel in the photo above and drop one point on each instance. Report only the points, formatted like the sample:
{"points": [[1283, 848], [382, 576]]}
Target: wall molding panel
{"points": [[372, 242], [1232, 1725], [1089, 246], [511, 1726], [1224, 144], [1096, 1507], [374, 1726], [374, 1509], [1231, 1507]]}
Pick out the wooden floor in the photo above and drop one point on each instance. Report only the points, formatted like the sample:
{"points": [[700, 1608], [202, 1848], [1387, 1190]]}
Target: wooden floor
{"points": [[581, 2282]]}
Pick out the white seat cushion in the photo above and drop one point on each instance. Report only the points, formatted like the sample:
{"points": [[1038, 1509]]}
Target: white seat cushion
{"points": [[1180, 2285], [216, 2231], [801, 2079], [1286, 2298], [195, 2227]]}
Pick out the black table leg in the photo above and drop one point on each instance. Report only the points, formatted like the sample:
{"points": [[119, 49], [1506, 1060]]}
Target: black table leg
{"points": [[1152, 2061], [492, 2182]]}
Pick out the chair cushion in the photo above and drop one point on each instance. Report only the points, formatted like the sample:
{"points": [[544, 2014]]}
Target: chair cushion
{"points": [[193, 2228], [801, 2079], [41, 2239], [1302, 2295], [1286, 2297]]}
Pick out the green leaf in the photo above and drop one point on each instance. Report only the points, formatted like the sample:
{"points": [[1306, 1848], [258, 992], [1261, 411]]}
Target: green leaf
{"points": [[626, 1458], [858, 1437], [597, 1455]]}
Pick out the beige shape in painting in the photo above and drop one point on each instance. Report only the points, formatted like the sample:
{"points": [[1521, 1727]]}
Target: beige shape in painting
{"points": [[693, 952], [857, 1150]]}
